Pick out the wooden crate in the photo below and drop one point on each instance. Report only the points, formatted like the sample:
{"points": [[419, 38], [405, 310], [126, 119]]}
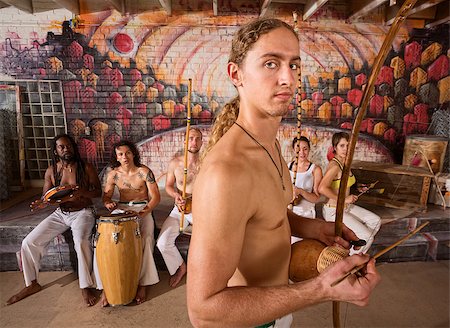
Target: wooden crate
{"points": [[399, 186]]}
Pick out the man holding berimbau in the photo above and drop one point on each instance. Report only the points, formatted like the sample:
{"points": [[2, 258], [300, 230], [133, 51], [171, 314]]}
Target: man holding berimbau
{"points": [[174, 186], [70, 183]]}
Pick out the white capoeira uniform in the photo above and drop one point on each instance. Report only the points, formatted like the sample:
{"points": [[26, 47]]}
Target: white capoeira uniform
{"points": [[170, 230], [33, 246], [305, 181], [365, 224], [283, 322], [149, 273]]}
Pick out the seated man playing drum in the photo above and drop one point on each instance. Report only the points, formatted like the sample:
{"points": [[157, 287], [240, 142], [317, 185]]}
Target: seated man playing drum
{"points": [[139, 193], [70, 183], [171, 226]]}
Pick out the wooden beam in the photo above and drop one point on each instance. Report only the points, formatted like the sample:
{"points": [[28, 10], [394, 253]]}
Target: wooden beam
{"points": [[24, 5], [265, 5], [3, 5], [420, 5], [70, 5], [362, 8], [167, 5], [442, 15], [118, 5], [428, 13], [215, 8], [311, 7]]}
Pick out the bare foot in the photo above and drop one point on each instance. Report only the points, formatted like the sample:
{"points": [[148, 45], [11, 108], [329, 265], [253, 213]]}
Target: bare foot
{"points": [[88, 296], [141, 294], [103, 300], [27, 291], [176, 278]]}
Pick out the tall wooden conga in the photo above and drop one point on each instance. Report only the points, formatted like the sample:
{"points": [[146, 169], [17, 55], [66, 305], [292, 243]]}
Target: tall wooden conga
{"points": [[119, 256]]}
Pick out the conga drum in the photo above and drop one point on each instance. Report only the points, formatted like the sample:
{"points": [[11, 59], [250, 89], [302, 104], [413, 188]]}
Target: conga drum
{"points": [[119, 256]]}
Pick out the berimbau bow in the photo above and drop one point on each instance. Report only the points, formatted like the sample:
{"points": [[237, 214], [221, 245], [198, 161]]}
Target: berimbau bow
{"points": [[368, 91], [299, 114], [186, 148]]}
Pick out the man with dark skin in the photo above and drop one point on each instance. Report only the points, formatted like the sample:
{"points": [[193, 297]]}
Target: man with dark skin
{"points": [[75, 212]]}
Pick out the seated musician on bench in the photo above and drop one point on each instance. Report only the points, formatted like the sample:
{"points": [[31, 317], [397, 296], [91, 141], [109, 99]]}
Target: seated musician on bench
{"points": [[77, 181], [364, 223], [171, 226], [139, 193]]}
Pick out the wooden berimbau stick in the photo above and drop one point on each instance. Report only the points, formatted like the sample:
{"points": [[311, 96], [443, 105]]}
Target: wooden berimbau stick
{"points": [[186, 146], [377, 255]]}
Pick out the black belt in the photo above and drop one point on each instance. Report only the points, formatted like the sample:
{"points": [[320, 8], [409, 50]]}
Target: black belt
{"points": [[133, 203]]}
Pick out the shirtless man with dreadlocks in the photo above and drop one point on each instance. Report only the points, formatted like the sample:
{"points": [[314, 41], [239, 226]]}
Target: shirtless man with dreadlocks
{"points": [[75, 212]]}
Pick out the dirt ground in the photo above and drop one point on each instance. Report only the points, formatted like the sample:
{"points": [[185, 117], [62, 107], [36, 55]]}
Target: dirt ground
{"points": [[411, 294]]}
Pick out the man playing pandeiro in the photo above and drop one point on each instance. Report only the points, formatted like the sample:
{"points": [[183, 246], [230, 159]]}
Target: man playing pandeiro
{"points": [[69, 171]]}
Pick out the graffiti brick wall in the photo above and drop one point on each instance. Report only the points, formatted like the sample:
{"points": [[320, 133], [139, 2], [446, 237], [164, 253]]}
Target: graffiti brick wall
{"points": [[157, 151], [125, 76]]}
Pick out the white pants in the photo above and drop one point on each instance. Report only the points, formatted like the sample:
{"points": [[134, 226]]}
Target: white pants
{"points": [[364, 223], [170, 230], [305, 209], [283, 322], [149, 273], [33, 246]]}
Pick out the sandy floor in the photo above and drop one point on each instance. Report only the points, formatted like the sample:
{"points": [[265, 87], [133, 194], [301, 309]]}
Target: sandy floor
{"points": [[413, 294]]}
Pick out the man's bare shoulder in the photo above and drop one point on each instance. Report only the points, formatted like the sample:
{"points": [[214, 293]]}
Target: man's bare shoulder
{"points": [[90, 167], [113, 171], [146, 173], [143, 168], [228, 166], [176, 161]]}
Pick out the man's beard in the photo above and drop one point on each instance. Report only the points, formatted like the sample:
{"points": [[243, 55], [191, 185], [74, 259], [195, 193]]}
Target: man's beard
{"points": [[193, 151], [67, 158]]}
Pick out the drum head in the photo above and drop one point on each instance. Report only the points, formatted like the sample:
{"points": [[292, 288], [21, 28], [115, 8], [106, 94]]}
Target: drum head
{"points": [[112, 217]]}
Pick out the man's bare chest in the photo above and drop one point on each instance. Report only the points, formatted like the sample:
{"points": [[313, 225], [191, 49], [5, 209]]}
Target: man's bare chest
{"points": [[131, 182]]}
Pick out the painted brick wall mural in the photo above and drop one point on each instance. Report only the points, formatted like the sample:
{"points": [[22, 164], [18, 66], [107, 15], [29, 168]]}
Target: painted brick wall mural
{"points": [[125, 76]]}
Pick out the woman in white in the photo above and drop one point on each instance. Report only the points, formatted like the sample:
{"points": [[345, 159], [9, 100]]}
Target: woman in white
{"points": [[306, 188], [364, 223]]}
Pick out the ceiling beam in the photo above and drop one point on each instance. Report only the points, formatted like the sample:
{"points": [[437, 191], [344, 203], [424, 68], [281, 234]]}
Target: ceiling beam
{"points": [[311, 7], [3, 4], [420, 5], [428, 13], [167, 5], [118, 5], [265, 5], [24, 5], [215, 8], [362, 8], [442, 15], [70, 5]]}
